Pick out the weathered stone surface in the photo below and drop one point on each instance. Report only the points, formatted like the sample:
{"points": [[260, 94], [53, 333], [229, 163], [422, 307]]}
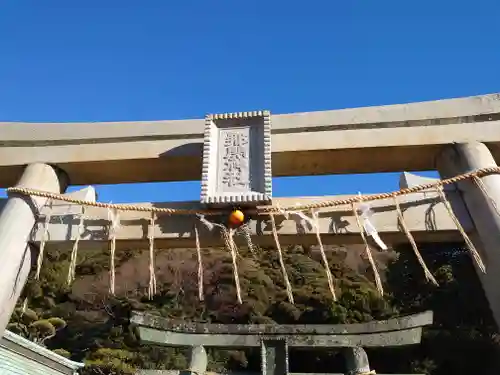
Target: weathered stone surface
{"points": [[371, 139], [17, 220], [402, 323], [356, 361], [198, 360], [394, 332], [382, 339]]}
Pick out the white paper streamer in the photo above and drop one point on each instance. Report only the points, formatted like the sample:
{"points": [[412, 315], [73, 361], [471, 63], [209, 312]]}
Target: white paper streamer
{"points": [[365, 213], [209, 225], [300, 214]]}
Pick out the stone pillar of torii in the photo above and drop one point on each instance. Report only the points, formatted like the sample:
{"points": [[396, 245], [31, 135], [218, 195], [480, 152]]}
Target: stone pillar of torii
{"points": [[17, 220], [482, 199]]}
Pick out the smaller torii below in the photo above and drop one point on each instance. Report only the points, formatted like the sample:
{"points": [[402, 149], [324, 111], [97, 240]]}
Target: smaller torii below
{"points": [[274, 340]]}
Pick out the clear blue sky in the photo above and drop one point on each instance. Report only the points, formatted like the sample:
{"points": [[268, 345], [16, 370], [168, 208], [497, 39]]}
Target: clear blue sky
{"points": [[152, 60]]}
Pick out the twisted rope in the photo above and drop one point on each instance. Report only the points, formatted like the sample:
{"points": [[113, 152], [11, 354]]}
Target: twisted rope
{"points": [[404, 226], [74, 251], [288, 286], [472, 249], [151, 240], [45, 237], [228, 235], [480, 185], [264, 210], [245, 231], [329, 275], [114, 218], [373, 197], [113, 212], [200, 263]]}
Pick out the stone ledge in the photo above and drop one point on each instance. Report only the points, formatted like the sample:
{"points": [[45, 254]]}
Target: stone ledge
{"points": [[390, 333], [396, 324]]}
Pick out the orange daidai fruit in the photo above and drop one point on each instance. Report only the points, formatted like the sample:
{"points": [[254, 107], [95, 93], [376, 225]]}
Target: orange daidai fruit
{"points": [[236, 217]]}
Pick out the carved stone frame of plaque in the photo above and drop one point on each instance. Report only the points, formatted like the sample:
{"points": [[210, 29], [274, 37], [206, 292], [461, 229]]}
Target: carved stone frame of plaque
{"points": [[237, 159]]}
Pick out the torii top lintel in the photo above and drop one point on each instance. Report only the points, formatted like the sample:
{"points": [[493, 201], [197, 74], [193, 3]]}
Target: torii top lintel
{"points": [[371, 139]]}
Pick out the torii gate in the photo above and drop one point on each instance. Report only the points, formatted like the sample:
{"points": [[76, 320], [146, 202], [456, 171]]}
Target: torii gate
{"points": [[454, 136]]}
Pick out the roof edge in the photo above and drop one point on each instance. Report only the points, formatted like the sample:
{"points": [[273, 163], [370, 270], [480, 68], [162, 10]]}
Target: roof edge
{"points": [[47, 353]]}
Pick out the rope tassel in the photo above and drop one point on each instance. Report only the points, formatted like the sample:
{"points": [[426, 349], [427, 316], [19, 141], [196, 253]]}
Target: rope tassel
{"points": [[228, 236], [482, 187], [114, 218], [298, 209], [200, 264], [428, 274], [472, 249], [45, 238], [329, 275], [74, 251], [151, 239], [378, 281], [282, 262], [245, 231]]}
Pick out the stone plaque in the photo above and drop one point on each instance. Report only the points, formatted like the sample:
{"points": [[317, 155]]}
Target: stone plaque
{"points": [[237, 159]]}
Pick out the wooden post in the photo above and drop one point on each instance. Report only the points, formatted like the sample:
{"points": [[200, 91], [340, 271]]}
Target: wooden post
{"points": [[482, 203], [16, 223]]}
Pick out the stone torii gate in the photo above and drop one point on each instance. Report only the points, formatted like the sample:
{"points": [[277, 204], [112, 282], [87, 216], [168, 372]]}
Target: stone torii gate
{"points": [[454, 136], [275, 340]]}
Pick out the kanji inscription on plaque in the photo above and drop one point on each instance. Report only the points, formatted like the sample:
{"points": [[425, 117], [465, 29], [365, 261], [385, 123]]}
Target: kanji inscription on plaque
{"points": [[237, 158], [234, 159]]}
